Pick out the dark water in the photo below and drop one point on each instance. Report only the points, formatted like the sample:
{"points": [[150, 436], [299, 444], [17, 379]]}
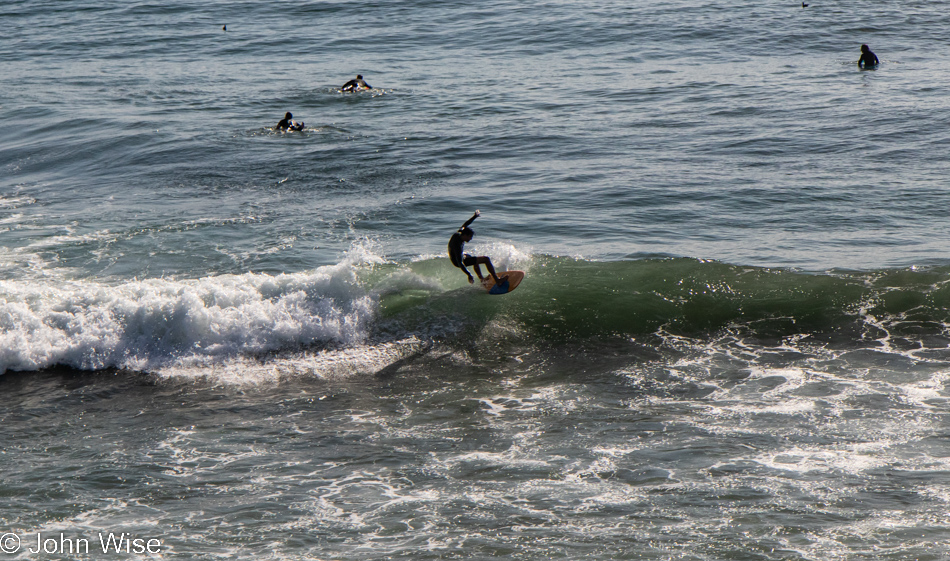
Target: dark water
{"points": [[731, 343]]}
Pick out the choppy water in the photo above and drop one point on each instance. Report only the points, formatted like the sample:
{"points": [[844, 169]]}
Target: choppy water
{"points": [[733, 340]]}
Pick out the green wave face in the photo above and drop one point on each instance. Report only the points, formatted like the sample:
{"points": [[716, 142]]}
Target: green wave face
{"points": [[565, 299]]}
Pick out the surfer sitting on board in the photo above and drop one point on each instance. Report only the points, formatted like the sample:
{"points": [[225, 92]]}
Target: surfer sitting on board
{"points": [[356, 84], [461, 260], [868, 59], [288, 124]]}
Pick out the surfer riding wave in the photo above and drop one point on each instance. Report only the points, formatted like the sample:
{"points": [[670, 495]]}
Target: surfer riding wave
{"points": [[463, 260]]}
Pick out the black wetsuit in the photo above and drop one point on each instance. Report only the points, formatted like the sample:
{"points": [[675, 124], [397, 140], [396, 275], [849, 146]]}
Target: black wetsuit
{"points": [[356, 84], [457, 245], [459, 259], [867, 60], [287, 124]]}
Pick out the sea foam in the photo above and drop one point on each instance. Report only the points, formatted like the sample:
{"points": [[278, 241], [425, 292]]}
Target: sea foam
{"points": [[154, 323]]}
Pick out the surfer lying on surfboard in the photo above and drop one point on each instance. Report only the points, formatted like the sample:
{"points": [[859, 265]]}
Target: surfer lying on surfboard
{"points": [[288, 124], [356, 84], [461, 260]]}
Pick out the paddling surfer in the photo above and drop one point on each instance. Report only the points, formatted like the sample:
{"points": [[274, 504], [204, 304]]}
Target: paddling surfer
{"points": [[288, 124], [356, 84], [461, 260]]}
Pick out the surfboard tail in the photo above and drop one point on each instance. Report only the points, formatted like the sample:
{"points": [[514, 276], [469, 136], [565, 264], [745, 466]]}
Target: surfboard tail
{"points": [[502, 288]]}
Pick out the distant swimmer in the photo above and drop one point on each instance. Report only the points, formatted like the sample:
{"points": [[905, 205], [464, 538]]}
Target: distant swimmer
{"points": [[868, 59], [356, 84], [461, 260], [224, 27], [288, 124]]}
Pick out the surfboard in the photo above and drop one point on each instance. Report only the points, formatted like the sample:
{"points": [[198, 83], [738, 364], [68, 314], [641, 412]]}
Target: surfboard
{"points": [[507, 285]]}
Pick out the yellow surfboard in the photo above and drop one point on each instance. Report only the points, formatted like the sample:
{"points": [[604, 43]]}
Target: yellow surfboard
{"points": [[507, 285]]}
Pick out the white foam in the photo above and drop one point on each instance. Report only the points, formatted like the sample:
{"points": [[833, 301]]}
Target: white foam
{"points": [[158, 323], [325, 364], [929, 390], [16, 201], [504, 256], [853, 459]]}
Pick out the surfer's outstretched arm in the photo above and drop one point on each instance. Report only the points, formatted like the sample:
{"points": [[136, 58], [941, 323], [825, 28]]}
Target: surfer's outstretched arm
{"points": [[470, 220]]}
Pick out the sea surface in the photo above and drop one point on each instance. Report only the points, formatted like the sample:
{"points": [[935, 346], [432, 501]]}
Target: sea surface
{"points": [[222, 341]]}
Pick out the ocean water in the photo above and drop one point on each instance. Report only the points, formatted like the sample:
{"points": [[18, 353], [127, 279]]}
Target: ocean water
{"points": [[222, 341]]}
